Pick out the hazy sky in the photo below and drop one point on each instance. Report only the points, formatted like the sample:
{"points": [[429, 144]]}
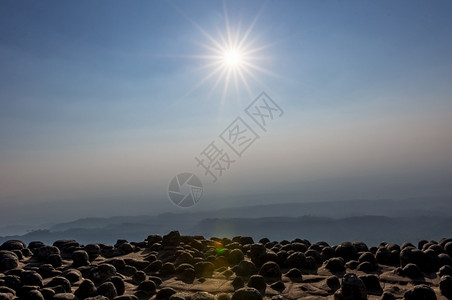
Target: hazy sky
{"points": [[102, 103]]}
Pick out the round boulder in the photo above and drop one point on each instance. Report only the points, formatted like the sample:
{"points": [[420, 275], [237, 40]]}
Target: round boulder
{"points": [[445, 286], [247, 294], [422, 291], [352, 288], [13, 245], [270, 270], [8, 260]]}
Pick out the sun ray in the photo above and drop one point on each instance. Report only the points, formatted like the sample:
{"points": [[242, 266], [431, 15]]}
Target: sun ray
{"points": [[234, 56]]}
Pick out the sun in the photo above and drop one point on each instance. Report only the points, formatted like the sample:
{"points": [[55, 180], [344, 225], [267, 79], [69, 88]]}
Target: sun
{"points": [[233, 58]]}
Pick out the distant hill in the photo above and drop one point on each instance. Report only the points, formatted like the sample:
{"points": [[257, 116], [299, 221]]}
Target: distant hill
{"points": [[371, 221]]}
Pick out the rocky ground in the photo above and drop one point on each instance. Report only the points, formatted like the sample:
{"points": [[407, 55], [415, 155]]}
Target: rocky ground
{"points": [[191, 267]]}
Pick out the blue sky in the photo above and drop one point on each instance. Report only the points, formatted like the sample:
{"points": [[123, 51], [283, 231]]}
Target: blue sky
{"points": [[98, 100]]}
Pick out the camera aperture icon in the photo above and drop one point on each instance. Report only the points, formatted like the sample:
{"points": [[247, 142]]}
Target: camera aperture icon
{"points": [[185, 190]]}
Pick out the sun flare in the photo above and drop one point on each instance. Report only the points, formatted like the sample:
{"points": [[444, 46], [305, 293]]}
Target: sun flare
{"points": [[233, 58]]}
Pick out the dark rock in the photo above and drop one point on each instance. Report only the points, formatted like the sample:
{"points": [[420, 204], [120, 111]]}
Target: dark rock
{"points": [[294, 275], [245, 240], [128, 270], [16, 272], [58, 289], [223, 296], [264, 241], [445, 286], [278, 297], [448, 248], [270, 270], [372, 284], [246, 294], [6, 296], [32, 295], [156, 279], [119, 284], [167, 269], [86, 289], [257, 282], [102, 273], [13, 245], [387, 296], [296, 260], [367, 256], [295, 246], [420, 292], [18, 254], [327, 253], [238, 283], [107, 289], [412, 271], [56, 281], [245, 269], [80, 258], [45, 252], [431, 261], [7, 290], [366, 267], [165, 293], [151, 258], [234, 257], [347, 251], [436, 248], [107, 250], [152, 239], [220, 262], [147, 286], [315, 255], [13, 281], [383, 256], [202, 296], [35, 245], [48, 293], [414, 256], [8, 260], [47, 270], [445, 270], [26, 252], [154, 267], [187, 275], [128, 297], [61, 244], [99, 297], [352, 264], [93, 251], [360, 247], [31, 278], [335, 265], [139, 277], [183, 257], [444, 260], [73, 275], [171, 240], [55, 260], [125, 248], [406, 245], [204, 269], [333, 283], [278, 286], [64, 296], [352, 288]]}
